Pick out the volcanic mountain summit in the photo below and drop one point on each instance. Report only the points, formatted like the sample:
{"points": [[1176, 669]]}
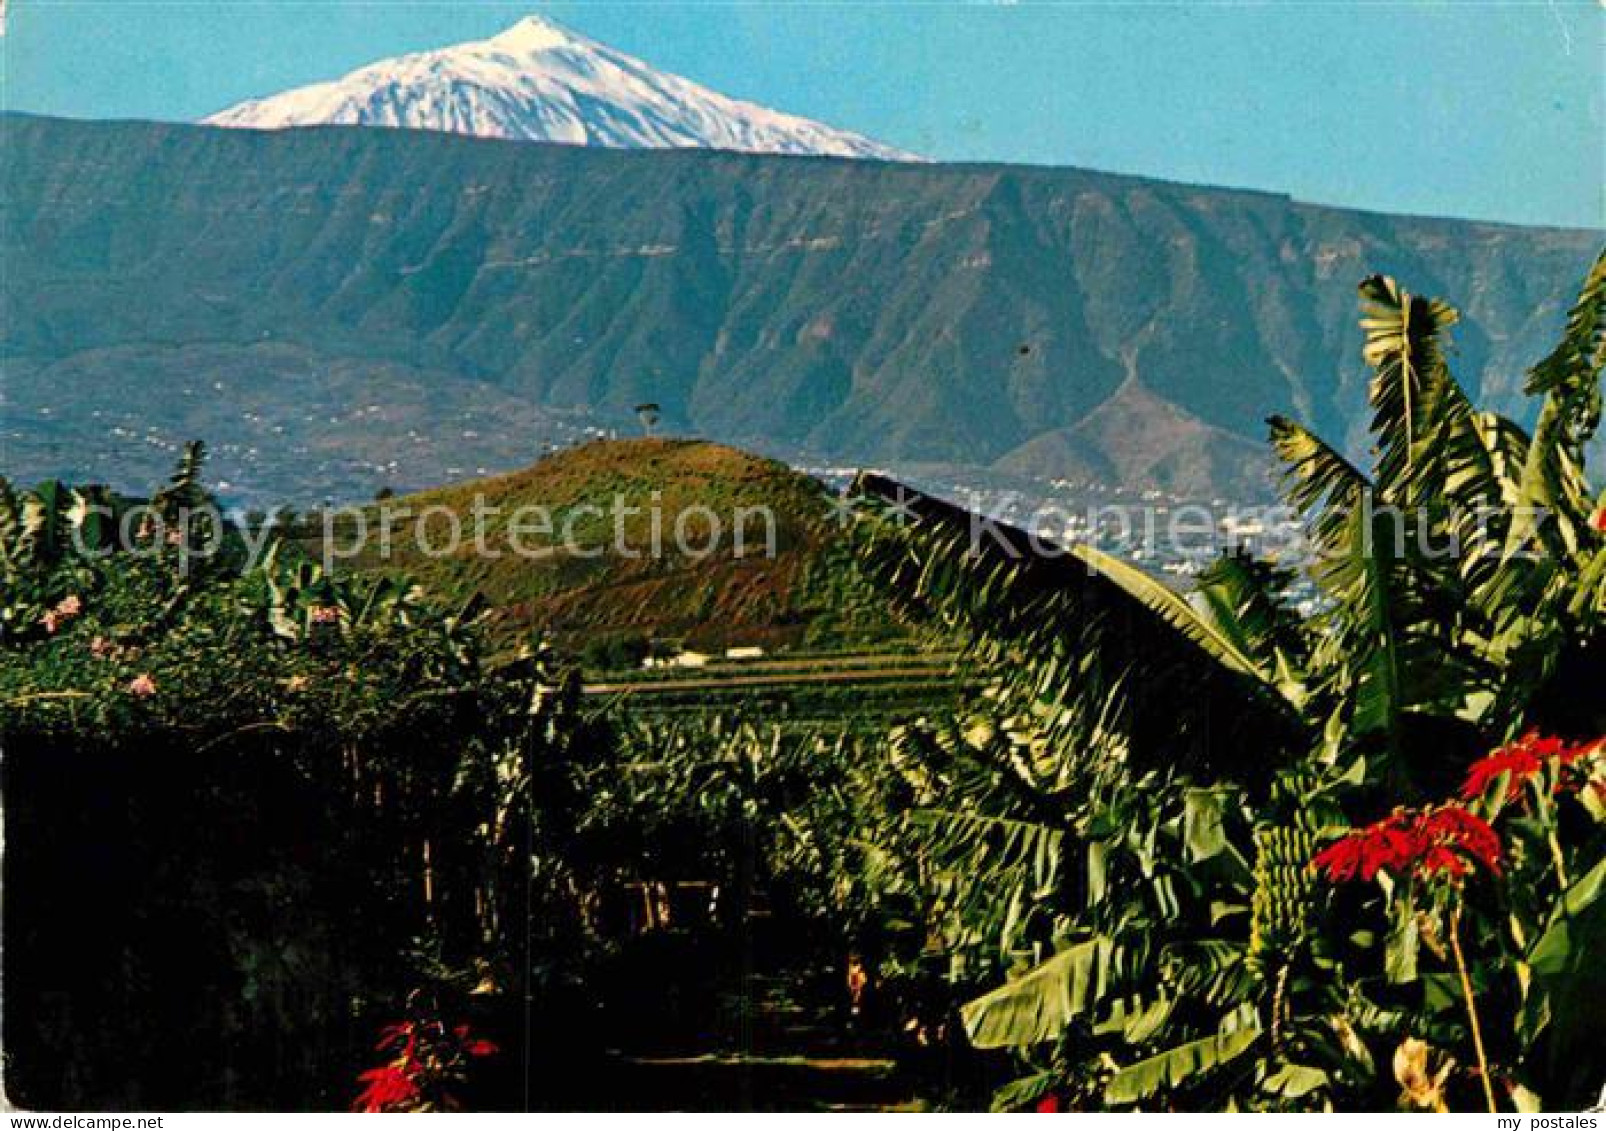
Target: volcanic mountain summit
{"points": [[539, 81]]}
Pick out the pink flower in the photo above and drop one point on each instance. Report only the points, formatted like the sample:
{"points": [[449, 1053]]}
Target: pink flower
{"points": [[142, 687], [323, 614], [100, 647], [65, 609]]}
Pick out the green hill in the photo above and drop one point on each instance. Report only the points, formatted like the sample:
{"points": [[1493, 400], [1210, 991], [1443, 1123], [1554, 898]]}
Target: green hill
{"points": [[568, 546]]}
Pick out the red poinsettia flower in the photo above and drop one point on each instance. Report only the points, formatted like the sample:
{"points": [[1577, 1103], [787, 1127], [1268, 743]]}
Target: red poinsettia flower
{"points": [[1341, 860], [1597, 521], [1522, 760], [1451, 831], [1441, 861], [389, 1089], [395, 1033], [475, 1046], [1577, 753], [430, 1061], [1390, 844], [1483, 773], [1048, 1105], [1446, 841], [401, 1038]]}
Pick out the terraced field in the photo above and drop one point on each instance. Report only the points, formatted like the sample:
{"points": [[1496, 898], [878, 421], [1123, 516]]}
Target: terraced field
{"points": [[854, 688]]}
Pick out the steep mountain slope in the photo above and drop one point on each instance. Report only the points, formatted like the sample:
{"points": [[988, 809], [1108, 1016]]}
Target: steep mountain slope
{"points": [[539, 81], [159, 277], [1138, 439]]}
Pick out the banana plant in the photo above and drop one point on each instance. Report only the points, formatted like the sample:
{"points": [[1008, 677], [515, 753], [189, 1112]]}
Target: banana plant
{"points": [[1213, 738]]}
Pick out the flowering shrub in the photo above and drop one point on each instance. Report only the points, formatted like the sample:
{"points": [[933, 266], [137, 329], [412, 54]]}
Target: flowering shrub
{"points": [[429, 1064], [1534, 926], [279, 738]]}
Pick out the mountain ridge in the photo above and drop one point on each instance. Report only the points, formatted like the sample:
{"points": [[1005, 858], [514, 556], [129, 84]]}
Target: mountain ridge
{"points": [[831, 310]]}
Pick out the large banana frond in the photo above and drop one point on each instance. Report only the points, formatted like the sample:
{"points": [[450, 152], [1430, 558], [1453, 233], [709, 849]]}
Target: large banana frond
{"points": [[1409, 382], [185, 491], [1588, 598], [1178, 1067], [1482, 456], [1570, 375], [1066, 624], [1001, 581], [1217, 640], [1553, 484], [1357, 551], [1364, 577], [1039, 1004], [43, 526], [1241, 597], [1547, 581], [10, 524], [1322, 484], [993, 869]]}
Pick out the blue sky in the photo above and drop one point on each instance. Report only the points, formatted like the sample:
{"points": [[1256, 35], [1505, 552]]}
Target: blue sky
{"points": [[1463, 108]]}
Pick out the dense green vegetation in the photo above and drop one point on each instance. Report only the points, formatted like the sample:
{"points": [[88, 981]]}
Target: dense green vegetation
{"points": [[393, 308], [1157, 850], [1445, 702]]}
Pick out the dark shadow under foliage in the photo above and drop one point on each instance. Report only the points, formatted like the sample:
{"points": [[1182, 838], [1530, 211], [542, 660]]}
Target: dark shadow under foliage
{"points": [[187, 930]]}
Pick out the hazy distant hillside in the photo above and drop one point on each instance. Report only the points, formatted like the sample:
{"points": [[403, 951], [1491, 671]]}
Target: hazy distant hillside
{"points": [[326, 305]]}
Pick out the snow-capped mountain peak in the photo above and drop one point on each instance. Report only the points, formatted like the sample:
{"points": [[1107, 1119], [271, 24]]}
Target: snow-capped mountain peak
{"points": [[533, 33], [540, 81]]}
